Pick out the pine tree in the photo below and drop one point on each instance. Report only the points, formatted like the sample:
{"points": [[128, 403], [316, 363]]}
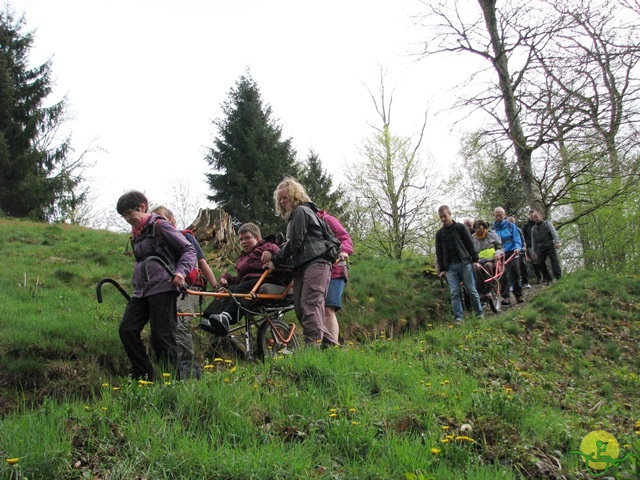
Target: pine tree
{"points": [[249, 158], [319, 184], [32, 170]]}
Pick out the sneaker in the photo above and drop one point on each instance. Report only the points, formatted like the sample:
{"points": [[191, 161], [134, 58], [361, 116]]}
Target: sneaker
{"points": [[217, 323], [526, 285], [458, 321], [520, 299]]}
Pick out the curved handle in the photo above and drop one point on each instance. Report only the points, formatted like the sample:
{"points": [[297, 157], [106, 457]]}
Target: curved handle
{"points": [[112, 282]]}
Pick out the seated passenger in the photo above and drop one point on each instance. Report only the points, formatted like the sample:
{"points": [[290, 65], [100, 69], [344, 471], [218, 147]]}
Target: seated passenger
{"points": [[250, 266], [489, 247]]}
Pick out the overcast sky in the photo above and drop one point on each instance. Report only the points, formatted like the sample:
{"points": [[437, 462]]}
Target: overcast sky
{"points": [[145, 79]]}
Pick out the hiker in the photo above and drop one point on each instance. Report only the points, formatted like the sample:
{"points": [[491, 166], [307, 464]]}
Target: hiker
{"points": [[508, 233], [307, 253], [545, 241], [468, 222], [250, 266], [339, 274], [189, 304], [456, 257], [489, 247], [153, 300], [528, 227], [524, 272]]}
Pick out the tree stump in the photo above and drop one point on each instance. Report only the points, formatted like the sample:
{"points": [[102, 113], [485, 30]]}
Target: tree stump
{"points": [[214, 230]]}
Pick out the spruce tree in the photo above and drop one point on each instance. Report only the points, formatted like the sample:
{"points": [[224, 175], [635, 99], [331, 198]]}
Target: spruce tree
{"points": [[319, 185], [32, 173], [249, 158]]}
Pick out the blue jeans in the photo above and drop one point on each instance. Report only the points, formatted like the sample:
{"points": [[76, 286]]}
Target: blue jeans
{"points": [[457, 273]]}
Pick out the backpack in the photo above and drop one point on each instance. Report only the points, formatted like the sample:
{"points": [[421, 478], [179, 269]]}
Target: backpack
{"points": [[332, 242], [195, 278]]}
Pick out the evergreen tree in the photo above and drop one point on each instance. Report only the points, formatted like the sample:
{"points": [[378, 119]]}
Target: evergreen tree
{"points": [[33, 170], [249, 158], [319, 185]]}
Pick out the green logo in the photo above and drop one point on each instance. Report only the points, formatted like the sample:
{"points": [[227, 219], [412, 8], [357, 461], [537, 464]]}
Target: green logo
{"points": [[600, 451]]}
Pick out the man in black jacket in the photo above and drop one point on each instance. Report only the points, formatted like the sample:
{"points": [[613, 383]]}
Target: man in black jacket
{"points": [[456, 255]]}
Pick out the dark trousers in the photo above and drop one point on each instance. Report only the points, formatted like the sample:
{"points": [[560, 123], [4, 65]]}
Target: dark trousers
{"points": [[230, 304], [534, 265], [511, 276], [160, 312], [541, 259], [524, 271]]}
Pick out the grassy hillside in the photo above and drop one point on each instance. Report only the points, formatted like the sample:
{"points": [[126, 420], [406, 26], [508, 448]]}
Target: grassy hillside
{"points": [[406, 397]]}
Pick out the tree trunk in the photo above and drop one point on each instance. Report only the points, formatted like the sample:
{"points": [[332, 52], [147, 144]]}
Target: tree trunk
{"points": [[213, 228]]}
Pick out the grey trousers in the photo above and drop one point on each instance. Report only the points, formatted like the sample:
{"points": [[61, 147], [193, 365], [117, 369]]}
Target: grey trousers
{"points": [[309, 290]]}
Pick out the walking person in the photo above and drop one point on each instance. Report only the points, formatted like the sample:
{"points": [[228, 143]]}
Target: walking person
{"points": [[524, 271], [526, 229], [306, 252], [154, 300], [189, 305], [456, 257], [512, 243], [545, 242]]}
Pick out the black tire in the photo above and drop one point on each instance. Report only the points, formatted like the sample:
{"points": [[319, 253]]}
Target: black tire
{"points": [[270, 345], [493, 299]]}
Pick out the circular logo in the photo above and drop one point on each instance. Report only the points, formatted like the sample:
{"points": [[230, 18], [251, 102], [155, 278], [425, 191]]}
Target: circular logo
{"points": [[600, 449]]}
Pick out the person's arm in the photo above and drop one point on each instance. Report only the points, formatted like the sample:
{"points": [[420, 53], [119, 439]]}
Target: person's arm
{"points": [[515, 235], [207, 272], [554, 235], [346, 247], [179, 243]]}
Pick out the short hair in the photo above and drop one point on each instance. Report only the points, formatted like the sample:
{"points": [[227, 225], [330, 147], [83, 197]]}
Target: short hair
{"points": [[166, 213], [511, 219], [499, 210], [443, 208], [481, 223], [295, 192], [252, 228], [130, 201]]}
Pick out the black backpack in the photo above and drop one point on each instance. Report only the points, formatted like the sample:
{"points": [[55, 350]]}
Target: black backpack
{"points": [[332, 242]]}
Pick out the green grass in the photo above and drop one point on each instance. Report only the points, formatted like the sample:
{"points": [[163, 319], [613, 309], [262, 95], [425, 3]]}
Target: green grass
{"points": [[407, 397]]}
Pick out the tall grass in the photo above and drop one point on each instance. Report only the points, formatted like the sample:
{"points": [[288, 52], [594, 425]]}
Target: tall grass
{"points": [[407, 396]]}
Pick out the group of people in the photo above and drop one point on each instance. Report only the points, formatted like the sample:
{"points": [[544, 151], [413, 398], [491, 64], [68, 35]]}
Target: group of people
{"points": [[466, 253], [318, 280]]}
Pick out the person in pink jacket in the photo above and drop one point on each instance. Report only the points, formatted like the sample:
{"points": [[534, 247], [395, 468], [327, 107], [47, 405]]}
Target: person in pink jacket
{"points": [[339, 277]]}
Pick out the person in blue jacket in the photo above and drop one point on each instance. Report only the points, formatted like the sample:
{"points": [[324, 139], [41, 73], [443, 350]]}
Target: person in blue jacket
{"points": [[512, 243]]}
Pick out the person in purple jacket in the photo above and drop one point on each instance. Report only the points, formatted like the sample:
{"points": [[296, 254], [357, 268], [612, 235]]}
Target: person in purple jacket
{"points": [[250, 266], [153, 300], [339, 277]]}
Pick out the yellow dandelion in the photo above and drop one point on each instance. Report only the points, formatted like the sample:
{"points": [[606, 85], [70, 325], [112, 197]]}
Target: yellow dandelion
{"points": [[355, 423], [228, 362], [444, 382], [226, 380], [167, 383], [333, 410], [464, 438], [445, 427], [430, 325], [104, 409], [451, 327], [349, 343], [445, 440], [12, 461], [115, 389], [435, 451], [637, 432], [333, 415], [508, 390], [352, 410], [428, 384], [233, 369], [105, 384], [87, 408], [218, 360], [208, 366], [166, 375], [255, 385], [422, 341]]}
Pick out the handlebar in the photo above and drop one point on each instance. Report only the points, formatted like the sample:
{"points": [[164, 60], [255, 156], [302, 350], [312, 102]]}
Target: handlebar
{"points": [[112, 282]]}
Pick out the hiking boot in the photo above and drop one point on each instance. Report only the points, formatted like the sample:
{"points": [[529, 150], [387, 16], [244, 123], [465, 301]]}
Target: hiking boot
{"points": [[217, 323], [506, 301], [526, 285], [520, 299]]}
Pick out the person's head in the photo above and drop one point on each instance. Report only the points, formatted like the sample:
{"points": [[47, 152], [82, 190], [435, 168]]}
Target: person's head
{"points": [[133, 206], [480, 226], [531, 212], [511, 219], [499, 214], [444, 212], [536, 216], [166, 213], [468, 223], [288, 195], [249, 234]]}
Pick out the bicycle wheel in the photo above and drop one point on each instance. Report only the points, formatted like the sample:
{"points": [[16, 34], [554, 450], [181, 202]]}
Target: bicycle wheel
{"points": [[270, 343]]}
